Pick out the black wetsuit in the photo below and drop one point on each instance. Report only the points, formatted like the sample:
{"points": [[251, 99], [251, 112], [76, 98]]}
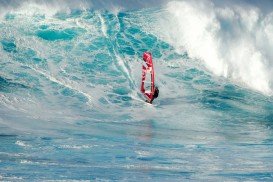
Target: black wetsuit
{"points": [[156, 93]]}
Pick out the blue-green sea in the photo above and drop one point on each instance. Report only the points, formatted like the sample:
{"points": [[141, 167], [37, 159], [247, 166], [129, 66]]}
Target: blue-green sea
{"points": [[71, 107]]}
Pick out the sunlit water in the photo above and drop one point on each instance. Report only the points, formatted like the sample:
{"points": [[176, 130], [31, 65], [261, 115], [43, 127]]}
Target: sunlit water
{"points": [[70, 106]]}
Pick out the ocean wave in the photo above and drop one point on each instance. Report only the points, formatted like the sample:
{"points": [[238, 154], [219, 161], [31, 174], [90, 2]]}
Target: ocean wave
{"points": [[232, 40]]}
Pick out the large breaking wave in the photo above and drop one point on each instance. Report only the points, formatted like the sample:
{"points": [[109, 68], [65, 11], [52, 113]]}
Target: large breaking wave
{"points": [[234, 41]]}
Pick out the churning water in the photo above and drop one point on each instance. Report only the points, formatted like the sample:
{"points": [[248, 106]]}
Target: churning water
{"points": [[71, 109]]}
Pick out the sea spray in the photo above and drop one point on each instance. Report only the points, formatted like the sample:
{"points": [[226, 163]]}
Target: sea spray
{"points": [[232, 41]]}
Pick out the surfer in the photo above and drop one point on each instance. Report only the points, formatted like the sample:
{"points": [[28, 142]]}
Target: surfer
{"points": [[155, 95], [148, 68]]}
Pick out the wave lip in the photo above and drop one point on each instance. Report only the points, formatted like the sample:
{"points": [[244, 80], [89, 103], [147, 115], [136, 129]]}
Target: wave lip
{"points": [[233, 41]]}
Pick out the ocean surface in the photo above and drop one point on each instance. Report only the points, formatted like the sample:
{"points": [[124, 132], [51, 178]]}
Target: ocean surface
{"points": [[70, 101]]}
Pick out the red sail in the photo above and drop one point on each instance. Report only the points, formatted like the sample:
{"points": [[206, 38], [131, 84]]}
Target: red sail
{"points": [[148, 70]]}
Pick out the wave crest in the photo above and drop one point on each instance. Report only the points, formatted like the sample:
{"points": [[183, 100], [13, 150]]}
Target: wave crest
{"points": [[233, 41]]}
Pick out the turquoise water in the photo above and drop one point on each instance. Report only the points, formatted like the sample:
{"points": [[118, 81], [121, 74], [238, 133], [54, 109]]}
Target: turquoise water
{"points": [[70, 106]]}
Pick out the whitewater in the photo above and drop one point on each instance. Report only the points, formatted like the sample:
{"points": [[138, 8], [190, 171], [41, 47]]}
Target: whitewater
{"points": [[70, 101]]}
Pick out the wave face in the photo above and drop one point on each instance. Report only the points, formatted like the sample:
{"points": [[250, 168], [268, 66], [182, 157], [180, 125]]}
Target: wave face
{"points": [[70, 106]]}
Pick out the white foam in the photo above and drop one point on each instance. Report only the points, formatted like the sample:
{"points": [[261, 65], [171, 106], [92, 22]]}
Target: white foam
{"points": [[26, 162], [232, 41], [21, 143], [77, 146], [103, 25], [121, 63], [67, 85], [48, 8], [142, 153]]}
